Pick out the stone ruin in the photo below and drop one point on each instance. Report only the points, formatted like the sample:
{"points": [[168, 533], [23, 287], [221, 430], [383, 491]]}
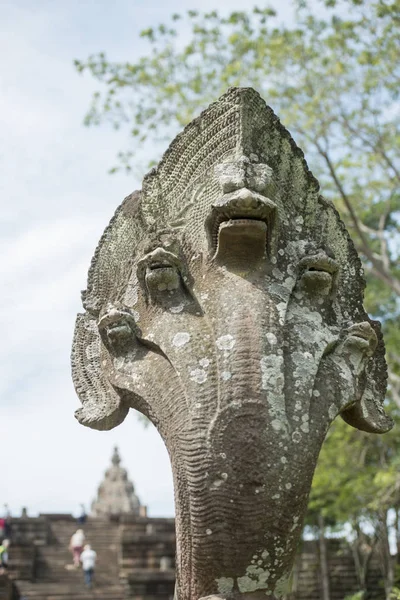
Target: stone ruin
{"points": [[116, 493], [224, 302]]}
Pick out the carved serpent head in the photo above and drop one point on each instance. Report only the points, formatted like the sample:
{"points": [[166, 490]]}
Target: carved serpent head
{"points": [[224, 301]]}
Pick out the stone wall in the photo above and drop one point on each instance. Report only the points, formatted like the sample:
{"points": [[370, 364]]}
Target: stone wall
{"points": [[8, 590], [307, 584], [26, 535], [29, 530], [146, 558]]}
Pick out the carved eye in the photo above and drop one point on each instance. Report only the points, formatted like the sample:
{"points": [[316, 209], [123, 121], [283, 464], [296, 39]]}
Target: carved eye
{"points": [[159, 272], [318, 274]]}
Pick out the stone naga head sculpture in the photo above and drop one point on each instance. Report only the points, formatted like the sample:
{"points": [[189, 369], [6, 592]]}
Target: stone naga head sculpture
{"points": [[224, 302]]}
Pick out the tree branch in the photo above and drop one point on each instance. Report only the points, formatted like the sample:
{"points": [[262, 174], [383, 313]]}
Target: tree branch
{"points": [[380, 272], [377, 147]]}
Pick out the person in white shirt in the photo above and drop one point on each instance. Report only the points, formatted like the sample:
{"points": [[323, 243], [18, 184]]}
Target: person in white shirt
{"points": [[76, 545], [88, 560]]}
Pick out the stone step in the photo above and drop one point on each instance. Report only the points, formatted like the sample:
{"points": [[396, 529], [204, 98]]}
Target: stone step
{"points": [[60, 591], [76, 595], [56, 579]]}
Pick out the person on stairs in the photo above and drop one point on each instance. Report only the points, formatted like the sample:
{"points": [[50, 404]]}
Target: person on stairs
{"points": [[4, 555], [88, 560], [82, 516], [76, 546]]}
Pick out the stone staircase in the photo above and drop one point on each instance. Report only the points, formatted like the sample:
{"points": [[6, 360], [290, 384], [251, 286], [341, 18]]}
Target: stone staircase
{"points": [[57, 579]]}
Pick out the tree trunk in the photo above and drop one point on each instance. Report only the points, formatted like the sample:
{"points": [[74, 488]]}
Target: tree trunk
{"points": [[397, 528], [384, 553], [323, 559]]}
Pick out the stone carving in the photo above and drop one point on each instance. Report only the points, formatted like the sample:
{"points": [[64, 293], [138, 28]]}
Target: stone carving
{"points": [[116, 494], [224, 302]]}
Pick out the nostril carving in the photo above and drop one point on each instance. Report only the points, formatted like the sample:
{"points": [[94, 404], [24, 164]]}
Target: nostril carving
{"points": [[245, 202], [255, 203]]}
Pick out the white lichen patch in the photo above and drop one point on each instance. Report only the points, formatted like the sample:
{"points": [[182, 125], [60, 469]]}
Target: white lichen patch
{"points": [[225, 585], [277, 425], [180, 339], [272, 372], [177, 309], [217, 483], [272, 381], [204, 362], [291, 270], [119, 364], [226, 375], [296, 437], [277, 274], [332, 411], [198, 375], [281, 308], [208, 531], [305, 427], [226, 342], [271, 338], [295, 525], [289, 282], [306, 366], [256, 578]]}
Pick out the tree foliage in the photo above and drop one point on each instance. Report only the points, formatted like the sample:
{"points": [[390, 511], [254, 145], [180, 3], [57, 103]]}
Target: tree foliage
{"points": [[333, 81], [333, 78]]}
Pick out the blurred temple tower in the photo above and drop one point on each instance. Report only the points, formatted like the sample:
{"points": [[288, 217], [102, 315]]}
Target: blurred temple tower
{"points": [[116, 493]]}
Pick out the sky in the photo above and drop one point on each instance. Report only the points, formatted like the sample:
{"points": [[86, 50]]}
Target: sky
{"points": [[56, 199]]}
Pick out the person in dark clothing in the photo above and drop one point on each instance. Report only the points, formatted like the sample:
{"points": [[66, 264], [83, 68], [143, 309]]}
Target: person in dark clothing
{"points": [[83, 516], [7, 528]]}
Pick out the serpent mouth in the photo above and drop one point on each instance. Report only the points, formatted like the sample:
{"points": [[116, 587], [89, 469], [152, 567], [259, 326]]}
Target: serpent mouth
{"points": [[244, 218], [363, 336], [154, 266], [157, 263], [160, 274]]}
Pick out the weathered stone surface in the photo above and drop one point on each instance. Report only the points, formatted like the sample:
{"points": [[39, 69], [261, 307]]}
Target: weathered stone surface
{"points": [[224, 301], [116, 493]]}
